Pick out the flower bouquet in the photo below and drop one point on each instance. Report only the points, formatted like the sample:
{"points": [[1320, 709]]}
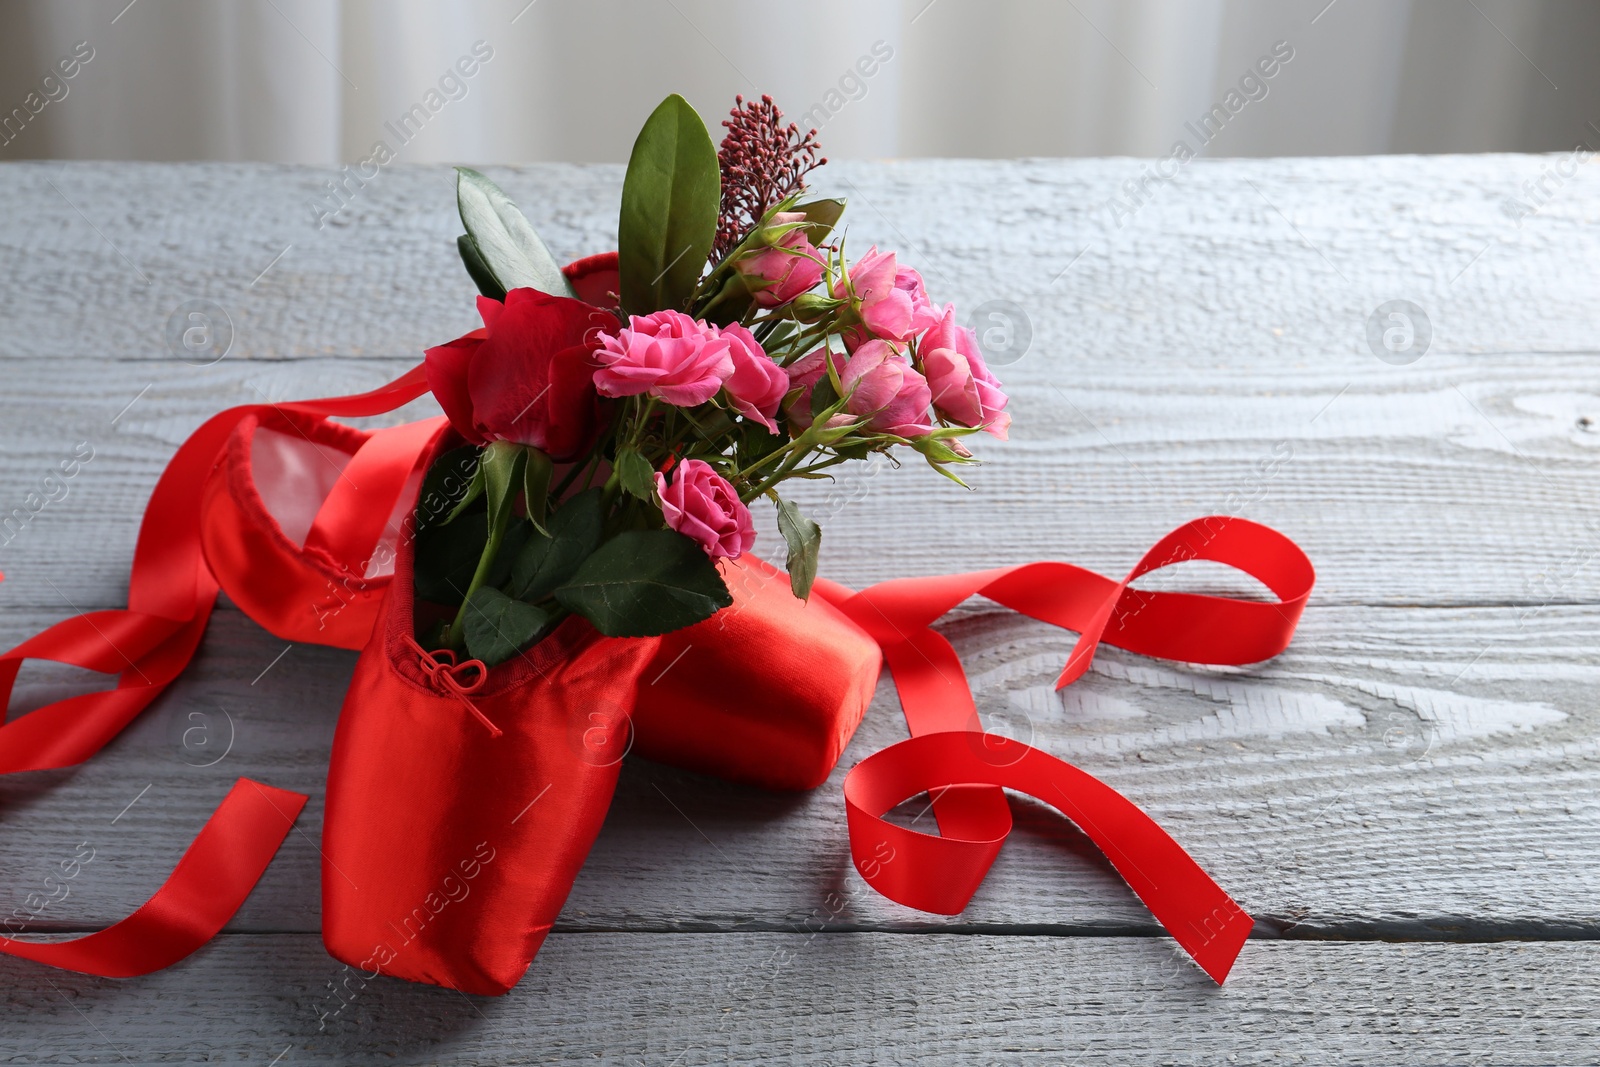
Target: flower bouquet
{"points": [[610, 426], [621, 433]]}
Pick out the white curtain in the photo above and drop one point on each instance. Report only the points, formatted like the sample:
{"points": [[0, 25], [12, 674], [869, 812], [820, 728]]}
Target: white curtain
{"points": [[322, 81]]}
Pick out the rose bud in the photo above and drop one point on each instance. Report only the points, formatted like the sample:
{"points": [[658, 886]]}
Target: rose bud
{"points": [[886, 300], [787, 264], [804, 374], [881, 383], [757, 385], [964, 390]]}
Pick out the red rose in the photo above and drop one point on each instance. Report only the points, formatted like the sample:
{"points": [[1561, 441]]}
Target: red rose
{"points": [[526, 376]]}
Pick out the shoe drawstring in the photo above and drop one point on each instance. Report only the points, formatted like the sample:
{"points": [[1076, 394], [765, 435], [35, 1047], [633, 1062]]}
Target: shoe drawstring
{"points": [[445, 675]]}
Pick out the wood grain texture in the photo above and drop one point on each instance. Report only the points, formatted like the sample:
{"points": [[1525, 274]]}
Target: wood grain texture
{"points": [[826, 999], [1270, 263], [1405, 496], [1417, 773], [1420, 765]]}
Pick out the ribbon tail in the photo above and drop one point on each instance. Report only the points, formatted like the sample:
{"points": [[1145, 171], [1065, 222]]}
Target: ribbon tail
{"points": [[69, 731], [204, 891], [940, 873]]}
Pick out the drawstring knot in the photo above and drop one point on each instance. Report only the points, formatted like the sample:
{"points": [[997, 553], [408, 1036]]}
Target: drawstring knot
{"points": [[445, 675]]}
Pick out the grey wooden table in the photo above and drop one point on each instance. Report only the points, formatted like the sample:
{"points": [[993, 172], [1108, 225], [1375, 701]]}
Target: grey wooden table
{"points": [[1405, 800]]}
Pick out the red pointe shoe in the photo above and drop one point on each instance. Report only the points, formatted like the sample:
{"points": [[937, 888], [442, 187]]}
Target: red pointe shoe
{"points": [[462, 801], [767, 692], [288, 527]]}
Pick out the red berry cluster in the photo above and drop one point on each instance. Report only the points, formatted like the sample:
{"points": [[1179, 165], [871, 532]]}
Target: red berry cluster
{"points": [[762, 162]]}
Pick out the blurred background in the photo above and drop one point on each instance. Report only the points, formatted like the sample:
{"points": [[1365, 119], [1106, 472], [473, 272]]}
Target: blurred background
{"points": [[480, 81]]}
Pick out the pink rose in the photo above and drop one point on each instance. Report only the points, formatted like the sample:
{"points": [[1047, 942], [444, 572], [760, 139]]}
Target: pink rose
{"points": [[757, 385], [923, 313], [699, 503], [889, 300], [881, 382], [964, 390], [668, 355], [779, 273]]}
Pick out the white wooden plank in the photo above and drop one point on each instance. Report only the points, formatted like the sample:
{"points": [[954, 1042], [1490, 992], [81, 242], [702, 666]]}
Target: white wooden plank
{"points": [[1237, 262], [1422, 773], [1408, 495], [835, 998]]}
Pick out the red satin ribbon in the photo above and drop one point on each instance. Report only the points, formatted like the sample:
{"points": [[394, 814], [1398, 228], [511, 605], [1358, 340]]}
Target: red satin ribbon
{"points": [[940, 874], [170, 596], [964, 769], [203, 892], [352, 520]]}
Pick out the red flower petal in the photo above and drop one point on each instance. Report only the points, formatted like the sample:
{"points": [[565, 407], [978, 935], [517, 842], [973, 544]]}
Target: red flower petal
{"points": [[521, 382], [447, 367], [595, 278]]}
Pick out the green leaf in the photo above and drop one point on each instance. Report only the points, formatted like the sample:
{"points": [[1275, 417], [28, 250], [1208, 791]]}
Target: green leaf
{"points": [[446, 557], [502, 466], [498, 627], [754, 443], [711, 424], [474, 491], [645, 582], [670, 199], [823, 397], [482, 276], [823, 216], [781, 335], [546, 562], [804, 538], [446, 485], [536, 487], [636, 475], [504, 240]]}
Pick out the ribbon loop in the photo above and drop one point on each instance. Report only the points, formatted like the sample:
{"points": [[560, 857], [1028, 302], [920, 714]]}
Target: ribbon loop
{"points": [[171, 593], [444, 675], [940, 874], [964, 769]]}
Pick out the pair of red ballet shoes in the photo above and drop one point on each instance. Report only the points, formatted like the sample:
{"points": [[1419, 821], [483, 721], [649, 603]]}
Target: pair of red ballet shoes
{"points": [[462, 802]]}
